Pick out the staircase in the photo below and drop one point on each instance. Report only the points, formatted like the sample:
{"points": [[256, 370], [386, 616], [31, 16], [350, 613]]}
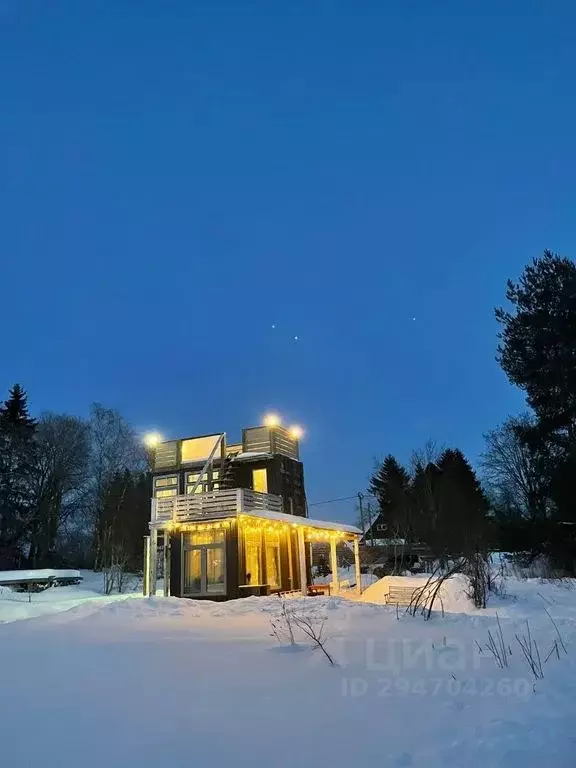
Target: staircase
{"points": [[226, 478]]}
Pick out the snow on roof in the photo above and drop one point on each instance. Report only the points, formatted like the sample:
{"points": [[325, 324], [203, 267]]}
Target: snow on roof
{"points": [[38, 573], [250, 455], [304, 521]]}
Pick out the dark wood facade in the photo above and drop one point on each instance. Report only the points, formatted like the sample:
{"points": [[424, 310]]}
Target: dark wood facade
{"points": [[236, 468], [235, 583]]}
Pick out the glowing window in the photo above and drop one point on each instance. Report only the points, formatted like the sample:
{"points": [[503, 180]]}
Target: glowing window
{"points": [[253, 555], [198, 448], [272, 549], [209, 536], [162, 482], [164, 492], [260, 480]]}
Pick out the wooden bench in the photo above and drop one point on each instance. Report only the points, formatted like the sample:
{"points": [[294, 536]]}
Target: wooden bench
{"points": [[400, 595]]}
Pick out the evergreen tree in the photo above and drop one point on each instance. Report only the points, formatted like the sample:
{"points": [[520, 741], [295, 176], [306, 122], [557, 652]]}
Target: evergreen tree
{"points": [[537, 352], [16, 467], [450, 508], [464, 507], [390, 484], [537, 348]]}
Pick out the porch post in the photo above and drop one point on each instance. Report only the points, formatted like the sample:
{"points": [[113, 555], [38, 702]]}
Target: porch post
{"points": [[357, 565], [302, 561], [166, 563], [153, 561], [146, 579], [334, 565]]}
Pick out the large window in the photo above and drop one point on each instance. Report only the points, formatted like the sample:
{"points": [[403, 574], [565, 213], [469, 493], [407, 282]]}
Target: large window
{"points": [[260, 480], [198, 448], [272, 549], [253, 556]]}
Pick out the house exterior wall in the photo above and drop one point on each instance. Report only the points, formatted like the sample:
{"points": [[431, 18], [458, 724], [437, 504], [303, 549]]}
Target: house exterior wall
{"points": [[285, 479], [236, 564]]}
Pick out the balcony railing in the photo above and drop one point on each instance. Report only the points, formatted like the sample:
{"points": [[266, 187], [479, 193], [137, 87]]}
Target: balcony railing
{"points": [[213, 504]]}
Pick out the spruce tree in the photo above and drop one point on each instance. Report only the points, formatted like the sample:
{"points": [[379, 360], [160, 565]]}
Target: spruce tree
{"points": [[16, 467], [391, 486]]}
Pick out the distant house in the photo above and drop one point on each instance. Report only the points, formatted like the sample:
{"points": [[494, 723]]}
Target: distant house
{"points": [[376, 531], [230, 519]]}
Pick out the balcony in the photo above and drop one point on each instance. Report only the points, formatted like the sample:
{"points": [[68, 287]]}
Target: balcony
{"points": [[214, 504]]}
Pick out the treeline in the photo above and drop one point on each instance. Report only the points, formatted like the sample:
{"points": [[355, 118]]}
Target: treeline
{"points": [[73, 492], [525, 498]]}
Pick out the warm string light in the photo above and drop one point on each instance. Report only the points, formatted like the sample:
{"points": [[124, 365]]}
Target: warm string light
{"points": [[187, 527], [311, 534], [261, 525]]}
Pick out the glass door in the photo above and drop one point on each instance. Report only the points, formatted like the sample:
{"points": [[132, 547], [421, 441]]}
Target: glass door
{"points": [[204, 570], [193, 571], [215, 581]]}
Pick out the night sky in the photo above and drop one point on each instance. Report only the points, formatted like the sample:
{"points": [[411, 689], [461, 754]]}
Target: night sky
{"points": [[210, 210]]}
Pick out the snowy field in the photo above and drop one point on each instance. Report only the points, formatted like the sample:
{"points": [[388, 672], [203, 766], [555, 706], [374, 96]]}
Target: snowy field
{"points": [[97, 681]]}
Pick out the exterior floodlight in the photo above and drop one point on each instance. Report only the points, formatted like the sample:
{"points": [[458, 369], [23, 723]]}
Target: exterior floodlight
{"points": [[272, 420], [296, 432], [152, 439]]}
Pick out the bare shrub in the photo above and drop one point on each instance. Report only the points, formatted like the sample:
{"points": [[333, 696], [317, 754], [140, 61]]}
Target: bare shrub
{"points": [[424, 597], [478, 571], [311, 626], [500, 651], [314, 631], [281, 624], [497, 647], [531, 652]]}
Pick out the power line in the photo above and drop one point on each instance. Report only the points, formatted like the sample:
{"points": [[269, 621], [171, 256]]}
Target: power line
{"points": [[333, 501]]}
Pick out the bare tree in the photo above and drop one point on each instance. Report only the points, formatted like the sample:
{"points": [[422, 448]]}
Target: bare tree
{"points": [[58, 482], [114, 448], [509, 467]]}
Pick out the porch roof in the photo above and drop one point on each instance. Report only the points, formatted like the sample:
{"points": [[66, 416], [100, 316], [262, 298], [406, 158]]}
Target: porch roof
{"points": [[305, 522]]}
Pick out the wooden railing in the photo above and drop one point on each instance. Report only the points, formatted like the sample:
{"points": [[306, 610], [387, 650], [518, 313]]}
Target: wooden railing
{"points": [[213, 504]]}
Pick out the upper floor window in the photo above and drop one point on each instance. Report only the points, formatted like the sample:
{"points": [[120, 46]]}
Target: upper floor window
{"points": [[164, 486], [202, 487], [162, 493], [167, 480], [260, 480]]}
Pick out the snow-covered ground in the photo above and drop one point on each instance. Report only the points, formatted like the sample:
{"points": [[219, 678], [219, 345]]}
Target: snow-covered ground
{"points": [[21, 605], [98, 681]]}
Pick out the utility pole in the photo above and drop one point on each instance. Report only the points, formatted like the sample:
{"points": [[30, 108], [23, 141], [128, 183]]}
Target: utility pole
{"points": [[361, 508], [369, 510]]}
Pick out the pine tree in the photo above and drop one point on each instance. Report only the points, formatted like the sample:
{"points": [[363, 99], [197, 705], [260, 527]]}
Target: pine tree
{"points": [[537, 352], [16, 467], [537, 348]]}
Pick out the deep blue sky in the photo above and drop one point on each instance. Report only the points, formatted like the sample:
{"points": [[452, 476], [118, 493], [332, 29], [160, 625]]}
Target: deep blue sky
{"points": [[175, 178]]}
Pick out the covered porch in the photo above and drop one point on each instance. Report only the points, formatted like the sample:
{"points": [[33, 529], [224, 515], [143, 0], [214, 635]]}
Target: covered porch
{"points": [[239, 554]]}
